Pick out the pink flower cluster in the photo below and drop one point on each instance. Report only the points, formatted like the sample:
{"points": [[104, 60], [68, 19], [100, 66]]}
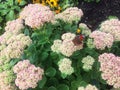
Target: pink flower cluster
{"points": [[27, 75], [35, 15], [110, 67], [101, 39], [14, 26], [111, 26], [70, 14], [12, 44]]}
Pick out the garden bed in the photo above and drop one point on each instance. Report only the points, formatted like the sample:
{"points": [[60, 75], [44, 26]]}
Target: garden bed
{"points": [[56, 45], [95, 13]]}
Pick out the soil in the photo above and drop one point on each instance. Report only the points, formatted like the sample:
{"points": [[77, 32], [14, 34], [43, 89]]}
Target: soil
{"points": [[95, 13]]}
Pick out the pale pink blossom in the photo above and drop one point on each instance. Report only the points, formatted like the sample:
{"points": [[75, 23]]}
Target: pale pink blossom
{"points": [[102, 40], [110, 67], [14, 26], [66, 45], [70, 14], [28, 75], [35, 15], [111, 26]]}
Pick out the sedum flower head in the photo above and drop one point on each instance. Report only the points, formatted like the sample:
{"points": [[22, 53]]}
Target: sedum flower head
{"points": [[14, 26], [27, 75], [35, 15], [16, 45], [4, 37], [88, 60], [6, 79], [4, 58], [88, 63], [85, 30], [87, 67], [65, 66], [2, 46], [112, 26], [90, 43], [70, 14], [56, 46], [102, 40], [66, 46], [110, 67], [68, 36]]}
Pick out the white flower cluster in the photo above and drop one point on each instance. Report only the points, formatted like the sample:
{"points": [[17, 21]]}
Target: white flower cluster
{"points": [[15, 46], [90, 43], [56, 46], [68, 36], [88, 87], [66, 46], [4, 37], [6, 80], [85, 30], [65, 66], [88, 62]]}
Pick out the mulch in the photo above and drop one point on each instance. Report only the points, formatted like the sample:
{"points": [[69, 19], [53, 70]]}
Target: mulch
{"points": [[95, 13]]}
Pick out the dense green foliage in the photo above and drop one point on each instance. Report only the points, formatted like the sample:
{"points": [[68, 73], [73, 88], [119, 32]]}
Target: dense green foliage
{"points": [[9, 10]]}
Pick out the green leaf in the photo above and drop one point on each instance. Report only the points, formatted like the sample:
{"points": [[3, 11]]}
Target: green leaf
{"points": [[67, 27], [102, 81], [10, 15], [63, 87], [2, 6], [10, 2], [42, 82], [14, 61], [44, 56], [75, 85], [0, 27], [23, 2], [83, 83], [51, 72], [3, 12], [112, 17], [53, 82], [17, 8], [1, 19], [26, 32], [63, 75], [34, 35], [51, 88]]}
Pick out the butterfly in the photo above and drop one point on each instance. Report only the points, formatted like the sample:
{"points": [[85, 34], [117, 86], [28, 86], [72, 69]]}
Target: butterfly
{"points": [[78, 39]]}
